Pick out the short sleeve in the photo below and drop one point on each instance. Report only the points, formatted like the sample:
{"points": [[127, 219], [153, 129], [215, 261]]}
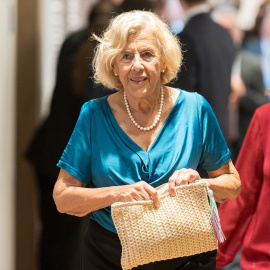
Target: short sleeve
{"points": [[215, 150], [76, 158]]}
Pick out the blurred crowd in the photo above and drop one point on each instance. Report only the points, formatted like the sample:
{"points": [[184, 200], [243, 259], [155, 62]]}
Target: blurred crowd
{"points": [[248, 68]]}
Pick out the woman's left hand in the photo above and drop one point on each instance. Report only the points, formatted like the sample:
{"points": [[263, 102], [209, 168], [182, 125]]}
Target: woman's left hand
{"points": [[182, 177]]}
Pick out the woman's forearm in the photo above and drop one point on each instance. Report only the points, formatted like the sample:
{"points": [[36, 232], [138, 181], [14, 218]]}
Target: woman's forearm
{"points": [[225, 187], [225, 183], [79, 201], [71, 196]]}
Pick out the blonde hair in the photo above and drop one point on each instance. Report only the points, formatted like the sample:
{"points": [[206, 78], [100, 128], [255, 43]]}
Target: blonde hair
{"points": [[115, 38]]}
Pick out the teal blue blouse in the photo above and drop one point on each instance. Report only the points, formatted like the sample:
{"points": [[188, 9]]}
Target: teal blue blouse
{"points": [[100, 154]]}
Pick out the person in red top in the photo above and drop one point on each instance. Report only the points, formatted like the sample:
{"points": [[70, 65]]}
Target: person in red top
{"points": [[246, 220]]}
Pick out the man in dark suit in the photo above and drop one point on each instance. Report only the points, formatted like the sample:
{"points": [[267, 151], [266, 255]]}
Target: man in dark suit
{"points": [[208, 57]]}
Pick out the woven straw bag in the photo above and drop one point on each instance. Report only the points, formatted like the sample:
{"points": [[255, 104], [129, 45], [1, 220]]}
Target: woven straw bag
{"points": [[184, 225]]}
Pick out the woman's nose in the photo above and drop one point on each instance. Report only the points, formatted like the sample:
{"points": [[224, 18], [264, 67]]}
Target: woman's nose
{"points": [[137, 63]]}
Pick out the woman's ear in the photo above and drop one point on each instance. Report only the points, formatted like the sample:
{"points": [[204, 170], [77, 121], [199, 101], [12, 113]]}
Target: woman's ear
{"points": [[114, 69], [164, 67]]}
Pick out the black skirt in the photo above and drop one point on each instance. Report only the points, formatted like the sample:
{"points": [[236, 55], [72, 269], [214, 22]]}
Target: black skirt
{"points": [[102, 251]]}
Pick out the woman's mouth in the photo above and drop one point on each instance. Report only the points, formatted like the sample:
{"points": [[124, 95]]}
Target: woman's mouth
{"points": [[138, 80]]}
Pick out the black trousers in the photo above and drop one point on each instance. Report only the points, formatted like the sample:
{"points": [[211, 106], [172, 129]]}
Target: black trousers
{"points": [[102, 251]]}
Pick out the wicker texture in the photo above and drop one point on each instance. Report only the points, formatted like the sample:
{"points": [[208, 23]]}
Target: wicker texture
{"points": [[180, 227]]}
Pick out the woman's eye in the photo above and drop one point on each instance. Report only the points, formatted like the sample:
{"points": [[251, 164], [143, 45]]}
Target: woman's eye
{"points": [[127, 56], [147, 54]]}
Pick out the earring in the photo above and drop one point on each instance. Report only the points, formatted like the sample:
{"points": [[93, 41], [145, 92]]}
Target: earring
{"points": [[163, 71], [115, 74]]}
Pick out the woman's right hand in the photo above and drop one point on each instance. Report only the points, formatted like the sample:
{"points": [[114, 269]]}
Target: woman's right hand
{"points": [[71, 196], [137, 192]]}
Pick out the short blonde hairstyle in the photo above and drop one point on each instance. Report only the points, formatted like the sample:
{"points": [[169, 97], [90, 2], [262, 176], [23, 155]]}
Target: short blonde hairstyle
{"points": [[115, 38]]}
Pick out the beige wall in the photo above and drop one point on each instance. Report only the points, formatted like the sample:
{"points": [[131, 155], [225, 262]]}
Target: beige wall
{"points": [[27, 89], [7, 133]]}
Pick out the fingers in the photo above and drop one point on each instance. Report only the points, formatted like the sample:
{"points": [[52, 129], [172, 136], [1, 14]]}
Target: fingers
{"points": [[154, 195], [140, 191], [172, 185], [142, 195], [182, 177]]}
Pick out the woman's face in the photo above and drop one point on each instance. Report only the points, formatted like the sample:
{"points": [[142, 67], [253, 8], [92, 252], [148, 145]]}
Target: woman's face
{"points": [[139, 65]]}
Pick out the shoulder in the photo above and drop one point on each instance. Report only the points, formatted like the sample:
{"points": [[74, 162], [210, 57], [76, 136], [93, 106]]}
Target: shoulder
{"points": [[207, 21], [195, 101], [200, 104], [94, 105], [72, 42], [263, 113], [195, 97], [190, 96], [202, 21], [77, 36], [188, 33], [202, 30], [260, 123]]}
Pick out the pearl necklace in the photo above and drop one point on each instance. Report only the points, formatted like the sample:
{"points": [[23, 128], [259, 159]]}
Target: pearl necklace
{"points": [[157, 118]]}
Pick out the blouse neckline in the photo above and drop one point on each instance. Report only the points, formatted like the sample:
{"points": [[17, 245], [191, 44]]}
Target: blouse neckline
{"points": [[133, 145]]}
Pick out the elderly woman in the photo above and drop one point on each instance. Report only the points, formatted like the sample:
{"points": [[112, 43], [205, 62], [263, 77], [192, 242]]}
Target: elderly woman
{"points": [[126, 144]]}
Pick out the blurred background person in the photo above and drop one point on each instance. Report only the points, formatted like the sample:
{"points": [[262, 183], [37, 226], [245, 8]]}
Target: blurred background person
{"points": [[245, 220], [252, 37], [208, 58], [265, 46], [61, 235], [257, 40], [248, 91]]}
